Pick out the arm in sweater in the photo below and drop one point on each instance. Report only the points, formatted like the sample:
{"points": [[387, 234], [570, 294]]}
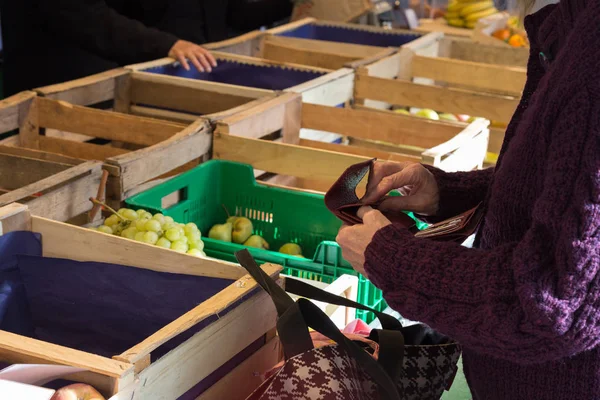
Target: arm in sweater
{"points": [[530, 301], [253, 14], [94, 26]]}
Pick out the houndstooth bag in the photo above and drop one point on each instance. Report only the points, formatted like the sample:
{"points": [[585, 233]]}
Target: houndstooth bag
{"points": [[413, 362]]}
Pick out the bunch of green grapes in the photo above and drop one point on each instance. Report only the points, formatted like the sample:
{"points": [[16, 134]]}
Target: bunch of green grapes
{"points": [[156, 230]]}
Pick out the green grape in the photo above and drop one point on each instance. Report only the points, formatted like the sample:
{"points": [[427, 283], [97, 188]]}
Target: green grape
{"points": [[168, 225], [139, 237], [120, 227], [140, 224], [130, 215], [147, 215], [159, 217], [152, 225], [121, 211], [150, 237], [196, 244], [169, 219], [184, 239], [193, 236], [181, 225], [163, 242], [173, 234], [191, 228], [179, 246], [105, 229], [129, 233], [112, 220], [141, 212], [197, 253]]}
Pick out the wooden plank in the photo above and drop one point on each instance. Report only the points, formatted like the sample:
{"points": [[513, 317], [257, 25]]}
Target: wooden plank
{"points": [[83, 151], [263, 62], [349, 50], [14, 217], [291, 26], [467, 50], [122, 99], [86, 91], [285, 159], [180, 370], [159, 91], [380, 126], [332, 89], [29, 126], [262, 120], [289, 53], [21, 349], [246, 377], [68, 241], [104, 124], [151, 162], [11, 108], [498, 78], [359, 151], [440, 25], [17, 171], [400, 92], [174, 116]]}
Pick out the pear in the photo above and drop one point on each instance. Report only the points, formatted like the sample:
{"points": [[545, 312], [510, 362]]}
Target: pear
{"points": [[448, 117], [242, 230], [427, 113], [256, 241], [221, 232], [291, 249], [232, 220]]}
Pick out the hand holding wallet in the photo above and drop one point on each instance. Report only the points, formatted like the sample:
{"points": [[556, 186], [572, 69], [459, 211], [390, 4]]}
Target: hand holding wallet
{"points": [[341, 200]]}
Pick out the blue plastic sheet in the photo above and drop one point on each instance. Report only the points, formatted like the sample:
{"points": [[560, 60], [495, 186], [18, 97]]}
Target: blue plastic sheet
{"points": [[349, 35], [241, 74]]}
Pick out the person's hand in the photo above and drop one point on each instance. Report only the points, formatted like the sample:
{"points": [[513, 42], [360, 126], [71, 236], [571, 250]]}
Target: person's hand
{"points": [[419, 189], [354, 239], [197, 55]]}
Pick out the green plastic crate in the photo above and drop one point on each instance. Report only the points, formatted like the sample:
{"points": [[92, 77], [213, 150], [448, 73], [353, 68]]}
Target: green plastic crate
{"points": [[279, 215]]}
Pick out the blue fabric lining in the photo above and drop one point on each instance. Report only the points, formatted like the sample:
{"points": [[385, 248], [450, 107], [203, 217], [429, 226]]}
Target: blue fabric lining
{"points": [[242, 74], [350, 35]]}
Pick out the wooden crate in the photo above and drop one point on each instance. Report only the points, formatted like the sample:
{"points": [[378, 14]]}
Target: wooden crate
{"points": [[323, 44], [448, 75], [51, 185], [153, 95], [327, 87], [319, 164], [252, 319], [428, 25], [139, 150]]}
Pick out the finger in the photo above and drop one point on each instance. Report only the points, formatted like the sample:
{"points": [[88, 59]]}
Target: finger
{"points": [[204, 61], [210, 58], [181, 58], [406, 177], [192, 57], [362, 212], [380, 171]]}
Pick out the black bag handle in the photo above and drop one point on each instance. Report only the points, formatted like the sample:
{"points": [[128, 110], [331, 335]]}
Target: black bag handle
{"points": [[295, 318]]}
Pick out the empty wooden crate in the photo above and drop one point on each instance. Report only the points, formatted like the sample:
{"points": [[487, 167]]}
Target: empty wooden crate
{"points": [[181, 346], [319, 164], [52, 185]]}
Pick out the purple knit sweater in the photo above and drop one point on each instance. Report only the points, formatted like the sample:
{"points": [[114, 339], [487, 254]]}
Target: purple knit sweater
{"points": [[525, 304]]}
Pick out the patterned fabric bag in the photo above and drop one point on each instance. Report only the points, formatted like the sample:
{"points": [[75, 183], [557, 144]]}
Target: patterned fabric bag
{"points": [[413, 362]]}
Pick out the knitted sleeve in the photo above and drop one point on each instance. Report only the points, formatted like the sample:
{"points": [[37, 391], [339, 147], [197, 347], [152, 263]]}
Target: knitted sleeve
{"points": [[459, 191], [530, 301]]}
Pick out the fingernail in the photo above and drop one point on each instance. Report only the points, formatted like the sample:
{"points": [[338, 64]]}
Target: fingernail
{"points": [[209, 69]]}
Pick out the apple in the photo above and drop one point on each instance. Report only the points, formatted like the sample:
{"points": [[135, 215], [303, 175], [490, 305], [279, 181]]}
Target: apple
{"points": [[448, 117], [463, 117], [401, 111], [77, 391], [427, 113]]}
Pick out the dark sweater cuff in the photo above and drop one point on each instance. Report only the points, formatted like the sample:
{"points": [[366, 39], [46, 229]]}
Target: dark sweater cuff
{"points": [[163, 42], [380, 256]]}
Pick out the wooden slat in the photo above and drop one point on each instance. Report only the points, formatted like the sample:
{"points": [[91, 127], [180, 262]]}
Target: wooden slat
{"points": [[14, 217], [21, 349], [67, 241], [143, 165], [11, 108], [174, 116], [467, 50], [103, 124], [160, 91], [355, 51], [17, 171], [494, 107], [440, 25], [359, 151], [332, 89], [180, 370], [285, 159], [243, 380], [263, 62], [86, 91], [291, 26], [380, 126], [242, 287], [247, 44], [289, 53], [83, 151], [503, 79]]}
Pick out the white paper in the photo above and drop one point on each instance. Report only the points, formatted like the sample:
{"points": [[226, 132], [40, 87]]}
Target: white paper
{"points": [[15, 390], [36, 374]]}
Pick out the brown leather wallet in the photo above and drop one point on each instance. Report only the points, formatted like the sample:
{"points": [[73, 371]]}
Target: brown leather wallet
{"points": [[341, 200]]}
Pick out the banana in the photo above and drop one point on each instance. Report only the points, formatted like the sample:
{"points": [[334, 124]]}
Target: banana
{"points": [[480, 14], [473, 8], [456, 22]]}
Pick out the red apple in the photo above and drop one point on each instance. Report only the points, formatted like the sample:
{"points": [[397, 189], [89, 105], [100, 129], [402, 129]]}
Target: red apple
{"points": [[462, 117], [77, 391]]}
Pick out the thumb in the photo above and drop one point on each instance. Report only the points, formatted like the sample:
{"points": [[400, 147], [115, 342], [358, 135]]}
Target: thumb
{"points": [[398, 180]]}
